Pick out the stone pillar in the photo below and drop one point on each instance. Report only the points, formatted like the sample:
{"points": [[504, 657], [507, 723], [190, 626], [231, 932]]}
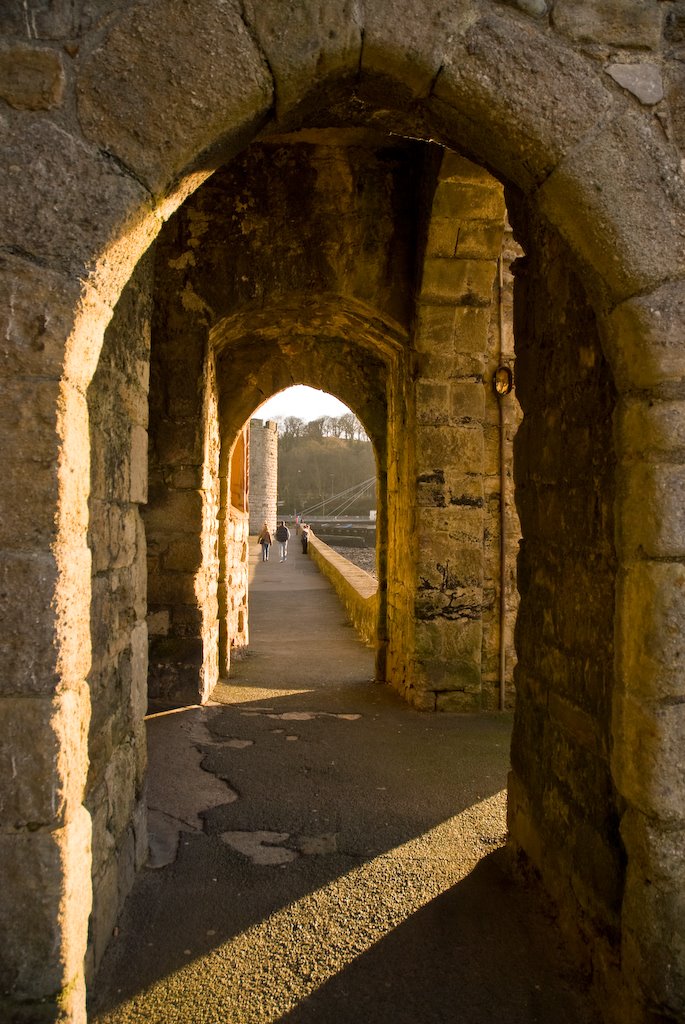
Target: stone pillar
{"points": [[645, 340], [564, 809], [452, 340], [263, 485], [118, 410], [181, 516], [45, 571], [233, 550]]}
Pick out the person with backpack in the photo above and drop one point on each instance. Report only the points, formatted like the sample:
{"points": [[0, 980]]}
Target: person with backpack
{"points": [[282, 536]]}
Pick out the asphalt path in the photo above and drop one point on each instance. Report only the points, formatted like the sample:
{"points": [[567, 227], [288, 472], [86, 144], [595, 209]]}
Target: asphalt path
{"points": [[323, 854]]}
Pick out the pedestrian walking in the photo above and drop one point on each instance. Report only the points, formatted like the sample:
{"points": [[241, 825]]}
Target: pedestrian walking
{"points": [[304, 537], [282, 536], [264, 539]]}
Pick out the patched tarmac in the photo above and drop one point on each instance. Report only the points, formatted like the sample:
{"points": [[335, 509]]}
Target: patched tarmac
{"points": [[327, 854]]}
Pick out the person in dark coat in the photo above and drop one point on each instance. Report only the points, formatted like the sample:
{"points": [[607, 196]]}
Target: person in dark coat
{"points": [[283, 536]]}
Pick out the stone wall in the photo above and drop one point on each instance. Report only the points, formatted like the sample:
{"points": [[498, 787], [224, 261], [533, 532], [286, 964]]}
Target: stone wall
{"points": [[263, 486], [181, 521], [234, 533], [457, 348], [357, 590], [113, 114], [115, 796], [565, 491]]}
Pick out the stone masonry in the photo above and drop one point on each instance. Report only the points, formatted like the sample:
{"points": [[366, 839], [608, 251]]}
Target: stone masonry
{"points": [[232, 200], [263, 483]]}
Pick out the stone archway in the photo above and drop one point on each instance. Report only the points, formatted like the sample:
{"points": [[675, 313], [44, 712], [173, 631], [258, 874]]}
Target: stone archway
{"points": [[521, 97]]}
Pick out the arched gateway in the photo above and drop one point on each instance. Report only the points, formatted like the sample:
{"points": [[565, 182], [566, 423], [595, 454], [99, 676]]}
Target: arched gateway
{"points": [[111, 121]]}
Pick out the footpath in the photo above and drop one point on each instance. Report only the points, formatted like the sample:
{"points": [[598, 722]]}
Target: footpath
{"points": [[323, 854]]}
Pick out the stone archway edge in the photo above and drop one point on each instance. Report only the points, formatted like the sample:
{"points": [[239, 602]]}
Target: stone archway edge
{"points": [[553, 122], [154, 100]]}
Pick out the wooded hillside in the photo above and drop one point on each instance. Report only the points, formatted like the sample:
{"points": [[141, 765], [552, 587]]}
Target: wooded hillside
{"points": [[322, 466]]}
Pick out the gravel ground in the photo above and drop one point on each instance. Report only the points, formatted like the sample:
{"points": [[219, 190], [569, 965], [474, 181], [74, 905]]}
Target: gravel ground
{"points": [[365, 558], [329, 855]]}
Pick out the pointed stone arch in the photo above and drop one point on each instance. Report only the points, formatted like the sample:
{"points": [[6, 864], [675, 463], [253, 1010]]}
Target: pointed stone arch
{"points": [[166, 93]]}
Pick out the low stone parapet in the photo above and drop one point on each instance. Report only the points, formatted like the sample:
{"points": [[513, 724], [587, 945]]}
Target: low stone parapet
{"points": [[357, 590]]}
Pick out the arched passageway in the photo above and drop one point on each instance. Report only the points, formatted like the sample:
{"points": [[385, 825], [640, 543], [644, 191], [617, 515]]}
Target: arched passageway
{"points": [[110, 149]]}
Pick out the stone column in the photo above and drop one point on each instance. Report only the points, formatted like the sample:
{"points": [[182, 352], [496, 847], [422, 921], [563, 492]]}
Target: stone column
{"points": [[263, 486], [45, 571], [451, 342], [233, 549], [645, 341], [181, 516], [118, 410]]}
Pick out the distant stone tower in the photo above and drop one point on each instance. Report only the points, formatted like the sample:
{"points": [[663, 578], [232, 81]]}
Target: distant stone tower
{"points": [[263, 486]]}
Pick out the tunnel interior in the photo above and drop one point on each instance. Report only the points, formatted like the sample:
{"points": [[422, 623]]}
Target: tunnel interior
{"points": [[367, 265]]}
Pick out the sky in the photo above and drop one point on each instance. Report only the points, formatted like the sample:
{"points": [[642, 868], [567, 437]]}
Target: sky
{"points": [[305, 403]]}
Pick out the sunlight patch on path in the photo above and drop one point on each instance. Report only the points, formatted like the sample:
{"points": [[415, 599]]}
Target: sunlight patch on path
{"points": [[270, 968]]}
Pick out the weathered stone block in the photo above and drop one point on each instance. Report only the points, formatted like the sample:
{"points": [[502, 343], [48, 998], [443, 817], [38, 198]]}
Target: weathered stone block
{"points": [[32, 341], [471, 326], [120, 779], [139, 463], [629, 23], [632, 246], [451, 525], [408, 42], [45, 19], [466, 201], [184, 554], [675, 96], [559, 97], [653, 909], [44, 911], [103, 840], [29, 759], [100, 206], [462, 282], [185, 478], [432, 402], [158, 623], [651, 516], [462, 673], [464, 491], [465, 239], [105, 906], [314, 41], [28, 652], [457, 701], [435, 328], [28, 419], [459, 447], [650, 628], [642, 80], [219, 79], [113, 530], [170, 511], [650, 428], [647, 757], [110, 467], [449, 568], [467, 401], [28, 519], [31, 77], [643, 338]]}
